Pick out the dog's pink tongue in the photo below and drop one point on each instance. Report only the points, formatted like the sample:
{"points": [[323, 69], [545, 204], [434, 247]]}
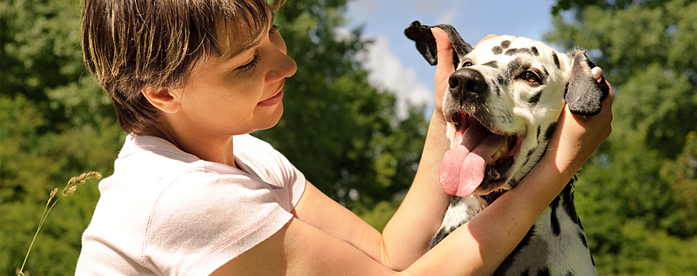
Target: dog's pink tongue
{"points": [[450, 169], [462, 168]]}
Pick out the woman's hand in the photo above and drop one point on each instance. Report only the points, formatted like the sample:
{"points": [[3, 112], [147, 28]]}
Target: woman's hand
{"points": [[577, 137], [444, 69]]}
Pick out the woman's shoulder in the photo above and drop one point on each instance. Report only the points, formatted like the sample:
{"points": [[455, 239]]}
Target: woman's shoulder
{"points": [[249, 142], [196, 216]]}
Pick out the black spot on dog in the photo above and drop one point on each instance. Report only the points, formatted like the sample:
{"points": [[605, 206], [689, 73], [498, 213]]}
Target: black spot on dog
{"points": [[501, 80], [510, 52], [513, 67], [544, 69], [550, 131], [589, 62], [554, 220], [592, 260], [530, 154], [525, 273], [442, 233], [471, 212], [513, 182], [526, 239], [455, 200], [568, 202], [583, 239], [544, 272], [535, 51], [497, 50], [508, 262], [535, 98], [539, 129], [527, 157], [516, 51], [556, 60], [569, 274], [505, 44], [493, 64]]}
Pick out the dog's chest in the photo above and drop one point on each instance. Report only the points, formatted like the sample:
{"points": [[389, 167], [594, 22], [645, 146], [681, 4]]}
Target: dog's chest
{"points": [[547, 250], [555, 245]]}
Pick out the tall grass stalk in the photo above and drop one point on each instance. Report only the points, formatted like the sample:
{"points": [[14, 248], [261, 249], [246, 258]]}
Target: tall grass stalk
{"points": [[68, 190]]}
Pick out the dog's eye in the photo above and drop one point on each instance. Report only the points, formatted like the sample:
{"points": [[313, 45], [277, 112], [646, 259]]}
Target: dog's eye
{"points": [[467, 64], [530, 77]]}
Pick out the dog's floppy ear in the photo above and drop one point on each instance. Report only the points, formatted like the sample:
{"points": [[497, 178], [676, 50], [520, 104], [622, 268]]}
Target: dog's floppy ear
{"points": [[426, 43], [584, 95]]}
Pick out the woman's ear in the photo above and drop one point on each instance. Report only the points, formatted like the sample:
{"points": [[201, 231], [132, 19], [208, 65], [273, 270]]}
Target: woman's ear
{"points": [[163, 98]]}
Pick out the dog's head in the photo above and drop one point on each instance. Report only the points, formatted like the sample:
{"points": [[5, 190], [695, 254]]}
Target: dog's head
{"points": [[502, 105]]}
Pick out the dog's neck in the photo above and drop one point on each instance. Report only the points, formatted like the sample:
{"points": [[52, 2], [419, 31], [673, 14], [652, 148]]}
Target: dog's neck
{"points": [[462, 209], [557, 232]]}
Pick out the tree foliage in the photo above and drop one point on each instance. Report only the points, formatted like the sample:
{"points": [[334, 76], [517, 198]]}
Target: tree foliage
{"points": [[638, 193], [338, 129], [55, 122]]}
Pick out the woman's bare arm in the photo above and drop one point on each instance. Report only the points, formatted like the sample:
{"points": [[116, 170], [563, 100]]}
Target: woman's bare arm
{"points": [[327, 239]]}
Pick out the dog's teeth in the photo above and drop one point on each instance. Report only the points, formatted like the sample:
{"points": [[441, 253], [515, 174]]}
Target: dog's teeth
{"points": [[504, 148]]}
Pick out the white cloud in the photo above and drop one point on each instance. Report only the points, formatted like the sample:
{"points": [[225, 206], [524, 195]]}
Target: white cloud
{"points": [[447, 17], [388, 72]]}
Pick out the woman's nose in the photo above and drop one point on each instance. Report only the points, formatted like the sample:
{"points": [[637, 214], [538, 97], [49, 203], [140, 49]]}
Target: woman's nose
{"points": [[283, 67]]}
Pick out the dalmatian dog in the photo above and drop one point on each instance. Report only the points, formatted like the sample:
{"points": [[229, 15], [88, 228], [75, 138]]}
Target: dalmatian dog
{"points": [[502, 105]]}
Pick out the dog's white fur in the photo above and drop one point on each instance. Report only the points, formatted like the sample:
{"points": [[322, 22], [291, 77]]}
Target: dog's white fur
{"points": [[510, 113]]}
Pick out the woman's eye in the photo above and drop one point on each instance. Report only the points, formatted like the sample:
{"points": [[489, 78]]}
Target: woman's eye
{"points": [[255, 59], [250, 65], [530, 77]]}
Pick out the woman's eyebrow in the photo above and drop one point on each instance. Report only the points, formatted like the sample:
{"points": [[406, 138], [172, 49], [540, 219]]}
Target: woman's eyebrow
{"points": [[232, 53]]}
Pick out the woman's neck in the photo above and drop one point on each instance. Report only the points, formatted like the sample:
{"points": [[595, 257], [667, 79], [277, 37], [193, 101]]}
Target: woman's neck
{"points": [[214, 149]]}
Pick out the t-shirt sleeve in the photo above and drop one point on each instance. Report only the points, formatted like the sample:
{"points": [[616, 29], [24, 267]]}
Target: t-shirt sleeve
{"points": [[204, 219], [272, 166]]}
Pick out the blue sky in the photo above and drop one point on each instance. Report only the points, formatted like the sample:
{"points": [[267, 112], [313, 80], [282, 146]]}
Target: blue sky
{"points": [[394, 60]]}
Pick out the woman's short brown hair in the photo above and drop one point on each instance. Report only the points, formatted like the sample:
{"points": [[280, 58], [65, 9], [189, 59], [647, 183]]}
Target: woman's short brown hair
{"points": [[130, 44]]}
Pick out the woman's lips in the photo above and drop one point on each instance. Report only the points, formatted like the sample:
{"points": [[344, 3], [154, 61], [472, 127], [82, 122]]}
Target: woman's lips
{"points": [[276, 98]]}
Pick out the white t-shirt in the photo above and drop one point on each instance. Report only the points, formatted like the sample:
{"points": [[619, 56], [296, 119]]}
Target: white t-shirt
{"points": [[167, 212]]}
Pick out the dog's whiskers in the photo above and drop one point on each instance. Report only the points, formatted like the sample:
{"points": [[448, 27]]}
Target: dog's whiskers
{"points": [[508, 122]]}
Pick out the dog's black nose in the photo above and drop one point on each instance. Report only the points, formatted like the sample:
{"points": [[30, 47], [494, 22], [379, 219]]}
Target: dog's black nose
{"points": [[467, 81]]}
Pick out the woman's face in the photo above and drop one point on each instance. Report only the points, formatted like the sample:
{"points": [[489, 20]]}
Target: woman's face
{"points": [[238, 94]]}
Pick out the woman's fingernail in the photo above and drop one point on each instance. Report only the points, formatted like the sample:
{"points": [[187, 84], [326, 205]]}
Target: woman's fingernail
{"points": [[597, 72]]}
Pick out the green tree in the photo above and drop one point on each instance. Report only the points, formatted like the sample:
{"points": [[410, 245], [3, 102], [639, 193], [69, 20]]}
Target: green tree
{"points": [[637, 194], [55, 122]]}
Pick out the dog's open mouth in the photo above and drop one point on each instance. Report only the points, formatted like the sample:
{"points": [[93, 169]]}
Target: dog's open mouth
{"points": [[479, 160]]}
